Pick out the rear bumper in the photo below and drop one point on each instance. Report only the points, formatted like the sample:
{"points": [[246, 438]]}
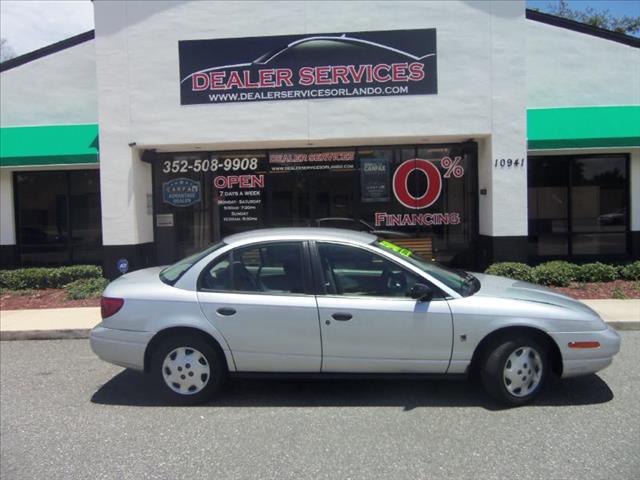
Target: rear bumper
{"points": [[121, 347], [578, 362]]}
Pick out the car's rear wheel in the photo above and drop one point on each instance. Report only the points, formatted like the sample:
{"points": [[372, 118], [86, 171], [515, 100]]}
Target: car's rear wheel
{"points": [[188, 369], [515, 369]]}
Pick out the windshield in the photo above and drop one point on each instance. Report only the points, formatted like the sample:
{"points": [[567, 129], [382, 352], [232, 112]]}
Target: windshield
{"points": [[458, 280], [172, 273]]}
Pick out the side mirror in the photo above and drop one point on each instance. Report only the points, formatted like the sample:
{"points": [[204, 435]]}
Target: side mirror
{"points": [[421, 292]]}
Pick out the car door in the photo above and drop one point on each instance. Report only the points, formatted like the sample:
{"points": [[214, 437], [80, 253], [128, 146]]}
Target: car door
{"points": [[259, 298], [369, 323]]}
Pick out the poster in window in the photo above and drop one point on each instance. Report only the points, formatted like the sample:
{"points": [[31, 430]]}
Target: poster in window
{"points": [[374, 180]]}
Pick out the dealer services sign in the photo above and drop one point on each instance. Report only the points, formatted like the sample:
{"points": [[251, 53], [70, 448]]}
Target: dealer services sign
{"points": [[312, 66]]}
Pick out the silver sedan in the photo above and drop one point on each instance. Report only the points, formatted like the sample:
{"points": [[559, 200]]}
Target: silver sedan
{"points": [[325, 302]]}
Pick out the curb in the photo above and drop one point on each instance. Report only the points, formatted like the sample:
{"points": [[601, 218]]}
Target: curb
{"points": [[84, 333], [625, 325], [45, 334]]}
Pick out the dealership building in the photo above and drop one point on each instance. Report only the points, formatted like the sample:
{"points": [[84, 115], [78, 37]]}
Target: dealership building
{"points": [[472, 131]]}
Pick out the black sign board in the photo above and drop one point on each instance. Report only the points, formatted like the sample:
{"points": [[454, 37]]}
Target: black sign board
{"points": [[311, 66], [374, 179]]}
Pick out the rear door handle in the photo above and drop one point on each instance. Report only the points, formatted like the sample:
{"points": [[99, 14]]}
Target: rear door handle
{"points": [[342, 317], [226, 311]]}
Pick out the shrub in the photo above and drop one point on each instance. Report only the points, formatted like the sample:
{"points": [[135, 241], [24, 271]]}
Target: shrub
{"points": [[39, 278], [515, 270], [85, 288], [557, 273], [597, 272], [631, 271]]}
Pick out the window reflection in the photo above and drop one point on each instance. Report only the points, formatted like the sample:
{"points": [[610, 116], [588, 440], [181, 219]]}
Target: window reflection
{"points": [[58, 217], [575, 205]]}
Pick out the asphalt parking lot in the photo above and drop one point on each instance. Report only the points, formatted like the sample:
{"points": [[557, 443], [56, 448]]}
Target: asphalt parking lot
{"points": [[65, 414]]}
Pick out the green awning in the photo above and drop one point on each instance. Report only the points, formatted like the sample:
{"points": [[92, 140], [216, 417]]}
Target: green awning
{"points": [[48, 145], [583, 127]]}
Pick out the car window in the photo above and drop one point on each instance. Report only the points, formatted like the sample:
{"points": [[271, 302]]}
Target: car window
{"points": [[217, 275], [354, 271], [462, 282], [264, 268], [172, 273]]}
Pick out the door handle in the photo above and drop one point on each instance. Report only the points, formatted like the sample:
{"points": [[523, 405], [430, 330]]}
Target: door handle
{"points": [[226, 311], [342, 317]]}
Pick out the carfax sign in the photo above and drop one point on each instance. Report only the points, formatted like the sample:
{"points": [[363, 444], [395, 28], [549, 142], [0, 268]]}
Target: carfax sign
{"points": [[181, 192], [296, 67]]}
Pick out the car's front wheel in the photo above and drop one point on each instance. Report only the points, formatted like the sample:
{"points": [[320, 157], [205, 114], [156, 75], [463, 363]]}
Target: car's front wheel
{"points": [[188, 369], [514, 369]]}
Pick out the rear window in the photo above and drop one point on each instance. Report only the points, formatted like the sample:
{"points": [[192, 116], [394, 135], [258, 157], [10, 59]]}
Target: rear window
{"points": [[172, 273]]}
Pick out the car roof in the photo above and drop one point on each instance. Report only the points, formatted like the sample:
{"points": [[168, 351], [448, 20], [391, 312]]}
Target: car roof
{"points": [[303, 233]]}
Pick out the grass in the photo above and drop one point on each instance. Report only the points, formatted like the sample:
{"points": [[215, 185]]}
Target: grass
{"points": [[618, 294]]}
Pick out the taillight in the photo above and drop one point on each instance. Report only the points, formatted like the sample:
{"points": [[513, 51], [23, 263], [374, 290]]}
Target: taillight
{"points": [[584, 344], [110, 306]]}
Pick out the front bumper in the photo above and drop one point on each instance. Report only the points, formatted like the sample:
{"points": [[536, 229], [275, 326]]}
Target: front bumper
{"points": [[121, 347], [578, 362]]}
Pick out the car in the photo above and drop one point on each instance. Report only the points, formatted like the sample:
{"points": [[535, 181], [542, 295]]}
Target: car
{"points": [[327, 303]]}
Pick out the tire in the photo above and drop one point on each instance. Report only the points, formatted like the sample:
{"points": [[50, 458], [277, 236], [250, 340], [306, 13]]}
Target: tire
{"points": [[514, 369], [188, 369]]}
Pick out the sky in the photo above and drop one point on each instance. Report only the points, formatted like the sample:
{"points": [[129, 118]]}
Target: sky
{"points": [[29, 24]]}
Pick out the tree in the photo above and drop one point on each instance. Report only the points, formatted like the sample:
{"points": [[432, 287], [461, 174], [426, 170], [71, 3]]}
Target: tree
{"points": [[6, 52], [601, 19]]}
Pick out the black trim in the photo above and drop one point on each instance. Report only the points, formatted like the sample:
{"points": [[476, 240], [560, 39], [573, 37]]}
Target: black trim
{"points": [[9, 257], [582, 28], [348, 376], [48, 50], [635, 245], [501, 249], [141, 255]]}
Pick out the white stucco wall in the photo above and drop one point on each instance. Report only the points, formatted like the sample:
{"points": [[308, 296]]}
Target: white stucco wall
{"points": [[571, 69], [7, 223], [481, 92], [504, 208], [56, 89]]}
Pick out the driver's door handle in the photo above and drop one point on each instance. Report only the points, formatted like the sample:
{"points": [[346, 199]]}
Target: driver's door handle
{"points": [[226, 311], [342, 317]]}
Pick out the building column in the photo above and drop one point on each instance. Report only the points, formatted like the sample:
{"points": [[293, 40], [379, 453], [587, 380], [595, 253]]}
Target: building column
{"points": [[125, 181], [8, 248], [503, 209]]}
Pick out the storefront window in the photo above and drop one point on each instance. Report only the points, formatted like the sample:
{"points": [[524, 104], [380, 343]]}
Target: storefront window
{"points": [[58, 217], [425, 195], [577, 206]]}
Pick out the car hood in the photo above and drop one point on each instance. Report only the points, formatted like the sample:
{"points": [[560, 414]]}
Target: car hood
{"points": [[500, 287]]}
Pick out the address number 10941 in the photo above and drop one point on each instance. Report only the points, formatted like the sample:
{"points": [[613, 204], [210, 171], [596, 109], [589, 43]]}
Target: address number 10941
{"points": [[509, 162]]}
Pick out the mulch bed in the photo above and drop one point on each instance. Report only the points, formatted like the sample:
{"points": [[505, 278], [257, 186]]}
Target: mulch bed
{"points": [[49, 298], [55, 298], [593, 291]]}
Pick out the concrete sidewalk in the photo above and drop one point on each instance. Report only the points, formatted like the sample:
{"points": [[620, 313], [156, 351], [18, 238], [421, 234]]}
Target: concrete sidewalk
{"points": [[56, 323], [48, 323]]}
